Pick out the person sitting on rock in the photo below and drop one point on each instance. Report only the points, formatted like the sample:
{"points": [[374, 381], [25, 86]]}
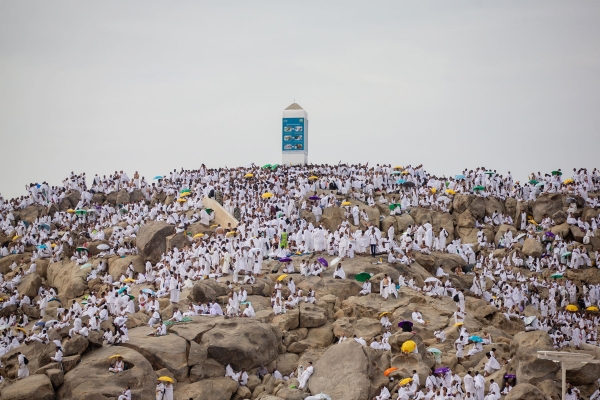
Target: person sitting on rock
{"points": [[117, 366], [125, 394]]}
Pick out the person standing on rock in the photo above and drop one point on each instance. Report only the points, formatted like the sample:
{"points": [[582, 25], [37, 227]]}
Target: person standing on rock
{"points": [[303, 380], [23, 371], [479, 382]]}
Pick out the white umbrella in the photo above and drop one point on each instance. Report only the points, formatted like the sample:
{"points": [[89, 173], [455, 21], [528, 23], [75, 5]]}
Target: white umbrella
{"points": [[320, 396], [522, 235], [334, 261], [103, 247], [432, 279], [529, 320]]}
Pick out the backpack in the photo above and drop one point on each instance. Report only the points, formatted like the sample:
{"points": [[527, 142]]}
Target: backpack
{"points": [[455, 298], [25, 360]]}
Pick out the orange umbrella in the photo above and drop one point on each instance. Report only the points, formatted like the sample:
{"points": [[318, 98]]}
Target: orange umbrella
{"points": [[388, 371]]}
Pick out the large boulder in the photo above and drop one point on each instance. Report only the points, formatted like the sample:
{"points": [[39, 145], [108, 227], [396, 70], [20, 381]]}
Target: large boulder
{"points": [[162, 352], [70, 200], [502, 230], [151, 239], [525, 391], [37, 387], [221, 388], [311, 316], [29, 285], [31, 213], [90, 379], [530, 368], [117, 266], [533, 248], [355, 361], [68, 278], [547, 204], [332, 217]]}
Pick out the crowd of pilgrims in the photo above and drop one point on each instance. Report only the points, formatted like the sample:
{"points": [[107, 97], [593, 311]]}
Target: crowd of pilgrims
{"points": [[268, 203]]}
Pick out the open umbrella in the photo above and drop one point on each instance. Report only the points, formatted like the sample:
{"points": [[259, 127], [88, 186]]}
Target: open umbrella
{"points": [[433, 190], [285, 259], [274, 166], [42, 247], [314, 198], [122, 289], [81, 212], [450, 191], [556, 173], [489, 172], [568, 181], [44, 226], [510, 376], [323, 261], [81, 249], [476, 339], [185, 194], [166, 379], [556, 276], [572, 308], [540, 184], [405, 381], [230, 233], [405, 173], [384, 313], [567, 254], [408, 184], [334, 261], [185, 190], [520, 236], [157, 177], [282, 277], [320, 396], [71, 211], [529, 320], [433, 350], [248, 175], [442, 370], [313, 178], [115, 356], [346, 203], [198, 235], [86, 265], [533, 182], [395, 173], [129, 280], [147, 291], [479, 188], [431, 279], [266, 166], [388, 371], [405, 325], [363, 277], [398, 167], [592, 308], [459, 177], [400, 181], [181, 200], [103, 246], [393, 206], [267, 195], [408, 346]]}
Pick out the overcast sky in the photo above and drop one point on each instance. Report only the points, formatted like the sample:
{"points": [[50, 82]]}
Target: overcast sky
{"points": [[152, 86]]}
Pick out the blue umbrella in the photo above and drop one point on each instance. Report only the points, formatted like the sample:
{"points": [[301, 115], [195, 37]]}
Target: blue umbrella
{"points": [[400, 181], [158, 177], [42, 246], [37, 185], [476, 339], [45, 226], [459, 177], [124, 288], [148, 291]]}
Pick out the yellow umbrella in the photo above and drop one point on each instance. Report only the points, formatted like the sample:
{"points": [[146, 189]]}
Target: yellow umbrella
{"points": [[592, 308], [214, 225], [185, 194], [398, 167], [71, 211], [15, 238], [166, 379], [248, 175], [405, 172], [405, 381], [408, 346], [568, 181], [282, 277], [313, 178], [267, 195], [53, 245], [450, 191], [115, 356], [458, 324], [433, 190], [346, 203], [181, 200], [129, 280], [18, 328], [197, 235], [572, 307], [531, 221], [230, 233], [384, 313]]}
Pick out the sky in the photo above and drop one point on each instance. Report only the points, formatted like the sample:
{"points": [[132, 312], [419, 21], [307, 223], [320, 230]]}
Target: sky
{"points": [[154, 86]]}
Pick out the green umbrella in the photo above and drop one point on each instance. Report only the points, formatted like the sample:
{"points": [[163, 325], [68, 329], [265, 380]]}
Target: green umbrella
{"points": [[363, 277], [556, 173], [266, 166], [394, 206], [209, 210], [81, 249], [185, 191], [556, 276], [81, 212], [533, 182], [479, 188], [274, 166]]}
